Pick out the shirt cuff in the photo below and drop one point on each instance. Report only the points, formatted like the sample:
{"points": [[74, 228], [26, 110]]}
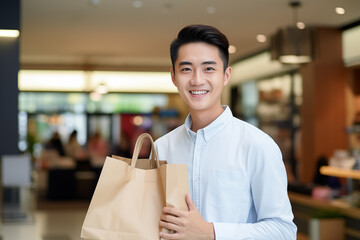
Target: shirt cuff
{"points": [[230, 231]]}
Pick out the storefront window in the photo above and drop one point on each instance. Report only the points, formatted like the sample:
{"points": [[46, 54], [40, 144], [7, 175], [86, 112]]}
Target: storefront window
{"points": [[43, 114]]}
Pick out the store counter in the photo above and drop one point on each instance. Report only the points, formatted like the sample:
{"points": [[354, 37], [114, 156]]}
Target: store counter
{"points": [[341, 219], [64, 178]]}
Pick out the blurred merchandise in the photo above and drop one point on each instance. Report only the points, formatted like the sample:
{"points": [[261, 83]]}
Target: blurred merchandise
{"points": [[342, 159]]}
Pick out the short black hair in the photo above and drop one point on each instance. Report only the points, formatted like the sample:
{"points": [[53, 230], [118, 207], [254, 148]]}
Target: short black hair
{"points": [[201, 33]]}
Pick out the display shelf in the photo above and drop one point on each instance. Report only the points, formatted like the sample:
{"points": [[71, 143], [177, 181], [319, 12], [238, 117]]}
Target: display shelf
{"points": [[331, 206], [339, 172]]}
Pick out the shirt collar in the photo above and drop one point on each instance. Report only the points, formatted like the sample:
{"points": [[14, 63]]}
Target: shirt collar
{"points": [[213, 128]]}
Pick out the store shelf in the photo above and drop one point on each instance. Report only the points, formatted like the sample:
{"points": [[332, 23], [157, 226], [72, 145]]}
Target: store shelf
{"points": [[331, 206], [339, 172]]}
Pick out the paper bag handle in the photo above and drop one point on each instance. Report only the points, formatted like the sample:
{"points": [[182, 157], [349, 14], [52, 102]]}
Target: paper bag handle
{"points": [[138, 145]]}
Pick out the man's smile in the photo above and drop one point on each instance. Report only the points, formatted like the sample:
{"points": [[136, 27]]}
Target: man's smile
{"points": [[199, 92]]}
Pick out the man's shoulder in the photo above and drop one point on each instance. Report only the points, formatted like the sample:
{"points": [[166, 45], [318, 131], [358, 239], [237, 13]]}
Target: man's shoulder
{"points": [[245, 126], [249, 130], [175, 133]]}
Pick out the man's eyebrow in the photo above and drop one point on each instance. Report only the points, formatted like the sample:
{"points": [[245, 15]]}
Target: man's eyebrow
{"points": [[185, 63], [203, 63], [208, 62]]}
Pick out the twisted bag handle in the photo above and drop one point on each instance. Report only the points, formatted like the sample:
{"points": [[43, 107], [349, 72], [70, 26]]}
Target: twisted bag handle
{"points": [[138, 145]]}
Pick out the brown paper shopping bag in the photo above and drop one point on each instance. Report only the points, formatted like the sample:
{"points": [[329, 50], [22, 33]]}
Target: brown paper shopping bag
{"points": [[175, 186], [130, 194]]}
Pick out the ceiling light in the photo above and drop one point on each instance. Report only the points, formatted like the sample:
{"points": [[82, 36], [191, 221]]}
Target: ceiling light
{"points": [[101, 89], [294, 59], [340, 10], [87, 81], [210, 10], [9, 33], [261, 38], [293, 44], [232, 49], [137, 4], [300, 25]]}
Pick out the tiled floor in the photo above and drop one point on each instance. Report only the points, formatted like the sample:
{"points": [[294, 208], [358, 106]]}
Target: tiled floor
{"points": [[55, 221]]}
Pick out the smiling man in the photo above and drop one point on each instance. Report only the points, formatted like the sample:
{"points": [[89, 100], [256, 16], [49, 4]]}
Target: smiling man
{"points": [[238, 186]]}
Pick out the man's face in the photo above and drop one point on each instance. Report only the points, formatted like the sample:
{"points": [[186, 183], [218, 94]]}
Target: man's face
{"points": [[199, 76]]}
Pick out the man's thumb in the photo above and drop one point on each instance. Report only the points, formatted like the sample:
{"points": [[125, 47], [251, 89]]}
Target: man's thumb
{"points": [[190, 203]]}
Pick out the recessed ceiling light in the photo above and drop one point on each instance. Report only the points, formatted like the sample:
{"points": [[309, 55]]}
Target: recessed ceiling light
{"points": [[232, 49], [340, 10], [210, 10], [300, 25], [261, 38], [137, 4]]}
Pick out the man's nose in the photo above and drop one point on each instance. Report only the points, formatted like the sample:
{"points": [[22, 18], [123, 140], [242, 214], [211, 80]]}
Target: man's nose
{"points": [[197, 78]]}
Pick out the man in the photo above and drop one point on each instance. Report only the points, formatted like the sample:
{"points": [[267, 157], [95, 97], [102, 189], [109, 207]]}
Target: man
{"points": [[237, 177]]}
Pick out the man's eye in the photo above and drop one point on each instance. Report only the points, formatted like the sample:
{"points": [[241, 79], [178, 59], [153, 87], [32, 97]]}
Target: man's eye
{"points": [[185, 69], [209, 69]]}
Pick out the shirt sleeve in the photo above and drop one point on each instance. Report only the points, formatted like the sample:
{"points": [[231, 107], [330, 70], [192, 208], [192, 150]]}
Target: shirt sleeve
{"points": [[269, 193]]}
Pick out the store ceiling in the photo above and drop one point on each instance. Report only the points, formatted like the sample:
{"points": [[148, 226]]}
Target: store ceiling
{"points": [[113, 34]]}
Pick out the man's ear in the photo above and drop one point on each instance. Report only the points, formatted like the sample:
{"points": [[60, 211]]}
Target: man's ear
{"points": [[173, 76], [227, 75]]}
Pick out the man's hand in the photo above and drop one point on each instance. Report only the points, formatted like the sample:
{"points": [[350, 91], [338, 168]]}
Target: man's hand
{"points": [[186, 224]]}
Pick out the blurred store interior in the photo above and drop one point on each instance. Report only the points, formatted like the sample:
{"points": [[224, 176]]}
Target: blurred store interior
{"points": [[80, 80]]}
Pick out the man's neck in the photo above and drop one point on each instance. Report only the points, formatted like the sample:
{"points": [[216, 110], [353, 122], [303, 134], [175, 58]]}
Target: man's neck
{"points": [[201, 119]]}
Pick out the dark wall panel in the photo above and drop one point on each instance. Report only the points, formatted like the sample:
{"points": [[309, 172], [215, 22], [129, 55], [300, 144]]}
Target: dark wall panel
{"points": [[9, 67]]}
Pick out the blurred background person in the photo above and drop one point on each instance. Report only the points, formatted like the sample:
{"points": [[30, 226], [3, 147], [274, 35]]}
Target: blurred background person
{"points": [[55, 143], [98, 149], [74, 150]]}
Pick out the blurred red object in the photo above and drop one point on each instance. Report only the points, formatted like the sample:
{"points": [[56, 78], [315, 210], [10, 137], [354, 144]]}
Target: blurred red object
{"points": [[321, 193]]}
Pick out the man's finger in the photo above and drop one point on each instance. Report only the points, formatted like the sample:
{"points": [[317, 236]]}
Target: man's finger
{"points": [[169, 226], [190, 203], [170, 218], [170, 236], [173, 211]]}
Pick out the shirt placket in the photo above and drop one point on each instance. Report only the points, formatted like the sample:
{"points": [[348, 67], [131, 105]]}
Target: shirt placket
{"points": [[196, 167]]}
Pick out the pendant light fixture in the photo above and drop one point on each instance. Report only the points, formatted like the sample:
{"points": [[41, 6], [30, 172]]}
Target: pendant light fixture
{"points": [[293, 44]]}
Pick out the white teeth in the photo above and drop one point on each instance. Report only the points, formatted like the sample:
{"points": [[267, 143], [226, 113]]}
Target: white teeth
{"points": [[198, 92]]}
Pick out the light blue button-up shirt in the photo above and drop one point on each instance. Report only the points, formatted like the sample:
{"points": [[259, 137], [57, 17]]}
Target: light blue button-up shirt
{"points": [[237, 178]]}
